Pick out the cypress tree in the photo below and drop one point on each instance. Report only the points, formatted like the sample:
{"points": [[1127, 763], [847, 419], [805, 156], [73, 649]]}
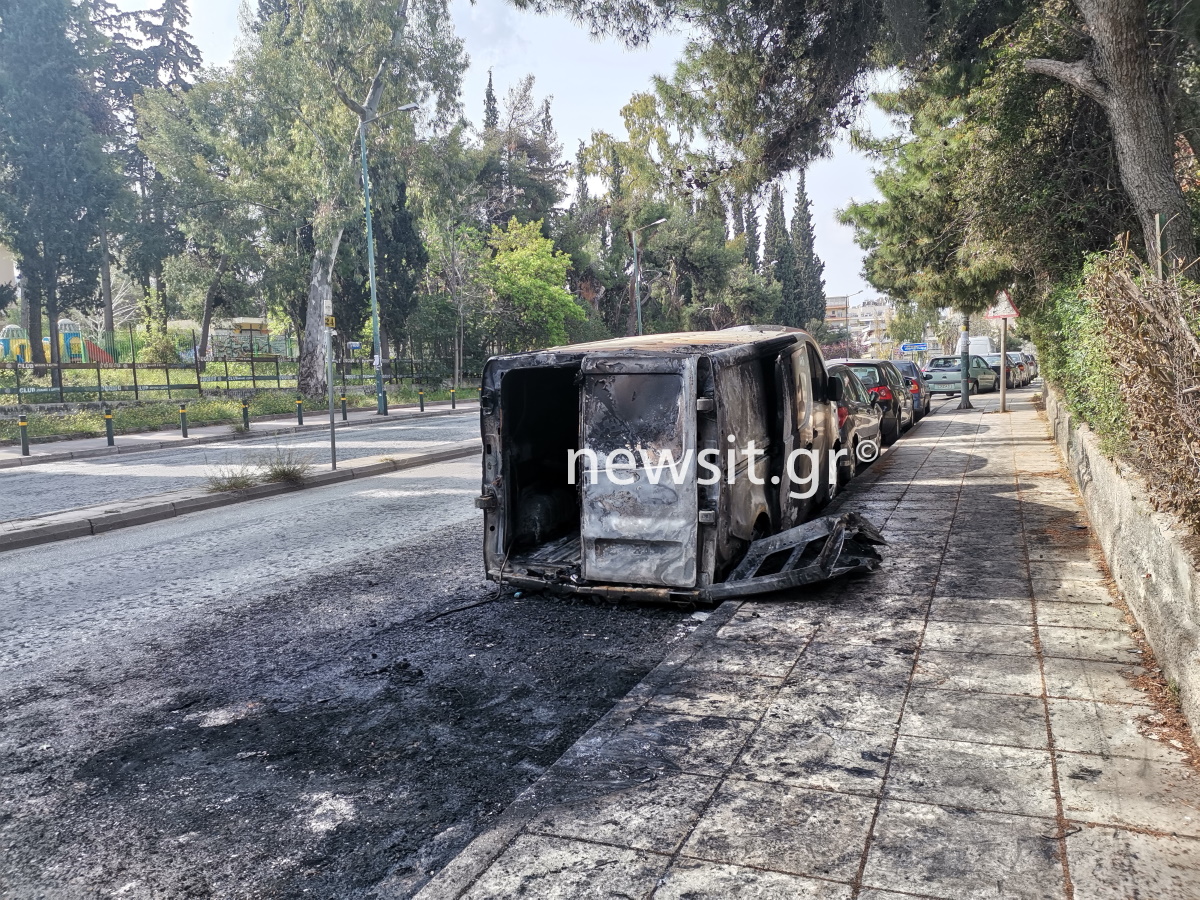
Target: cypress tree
{"points": [[750, 217], [810, 285], [779, 258], [491, 112]]}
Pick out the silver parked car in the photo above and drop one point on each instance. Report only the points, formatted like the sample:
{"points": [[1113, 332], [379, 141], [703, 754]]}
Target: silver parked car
{"points": [[944, 375]]}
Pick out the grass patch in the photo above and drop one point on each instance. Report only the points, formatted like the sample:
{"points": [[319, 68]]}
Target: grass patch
{"points": [[233, 478], [287, 466]]}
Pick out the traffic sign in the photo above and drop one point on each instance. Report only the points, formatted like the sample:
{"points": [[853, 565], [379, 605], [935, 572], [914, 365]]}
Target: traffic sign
{"points": [[330, 322], [1003, 307], [354, 345], [913, 348]]}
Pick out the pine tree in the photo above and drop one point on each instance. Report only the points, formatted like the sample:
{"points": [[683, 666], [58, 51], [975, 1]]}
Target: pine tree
{"points": [[779, 259], [491, 111], [752, 240], [810, 285], [582, 194]]}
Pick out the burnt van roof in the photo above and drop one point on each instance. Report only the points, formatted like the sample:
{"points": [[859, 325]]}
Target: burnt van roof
{"points": [[709, 340]]}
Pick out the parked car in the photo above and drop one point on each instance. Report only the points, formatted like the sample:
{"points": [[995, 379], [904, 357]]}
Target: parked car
{"points": [[887, 387], [993, 360], [1023, 375], [1031, 361], [944, 375], [922, 396], [858, 424], [553, 520]]}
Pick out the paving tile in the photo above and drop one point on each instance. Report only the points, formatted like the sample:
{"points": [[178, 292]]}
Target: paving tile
{"points": [[973, 637], [966, 584], [1106, 729], [1072, 591], [898, 607], [771, 660], [1140, 793], [784, 828], [876, 631], [550, 868], [1114, 864], [992, 673], [690, 879], [854, 662], [1097, 644], [1080, 615], [656, 815], [817, 756], [963, 855], [1078, 679], [701, 694], [1078, 570], [656, 740], [991, 610], [839, 704], [774, 623], [1002, 567], [975, 776], [965, 716]]}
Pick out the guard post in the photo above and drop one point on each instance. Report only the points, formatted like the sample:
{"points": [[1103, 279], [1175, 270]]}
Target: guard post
{"points": [[421, 395], [183, 418], [453, 404], [108, 426], [245, 414], [23, 425], [299, 410]]}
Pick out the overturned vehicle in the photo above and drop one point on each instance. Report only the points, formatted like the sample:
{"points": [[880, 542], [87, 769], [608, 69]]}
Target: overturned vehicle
{"points": [[678, 467]]}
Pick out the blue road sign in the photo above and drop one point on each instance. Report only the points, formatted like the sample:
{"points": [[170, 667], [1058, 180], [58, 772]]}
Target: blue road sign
{"points": [[354, 345], [913, 348]]}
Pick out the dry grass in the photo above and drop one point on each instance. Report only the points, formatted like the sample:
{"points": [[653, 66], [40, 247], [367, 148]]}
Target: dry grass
{"points": [[232, 478], [288, 466]]}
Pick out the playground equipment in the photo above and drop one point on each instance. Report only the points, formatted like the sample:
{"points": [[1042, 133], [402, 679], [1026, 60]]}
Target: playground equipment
{"points": [[14, 344]]}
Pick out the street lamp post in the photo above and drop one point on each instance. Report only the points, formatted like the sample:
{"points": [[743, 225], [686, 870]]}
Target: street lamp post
{"points": [[380, 394], [637, 271]]}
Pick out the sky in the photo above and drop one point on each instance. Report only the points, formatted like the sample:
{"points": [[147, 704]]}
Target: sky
{"points": [[590, 81]]}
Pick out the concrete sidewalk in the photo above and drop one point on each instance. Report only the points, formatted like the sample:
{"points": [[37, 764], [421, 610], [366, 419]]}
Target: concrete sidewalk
{"points": [[263, 426], [964, 723]]}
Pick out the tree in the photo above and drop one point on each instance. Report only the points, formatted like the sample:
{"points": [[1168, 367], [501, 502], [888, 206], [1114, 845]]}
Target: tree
{"points": [[779, 259], [527, 276], [55, 179], [752, 241], [810, 285], [491, 112], [1132, 75]]}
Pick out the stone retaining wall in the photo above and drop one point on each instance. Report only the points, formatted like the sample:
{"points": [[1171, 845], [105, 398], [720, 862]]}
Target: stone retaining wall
{"points": [[1147, 553]]}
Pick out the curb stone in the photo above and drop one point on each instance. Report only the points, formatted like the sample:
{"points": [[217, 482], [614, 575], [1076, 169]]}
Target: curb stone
{"points": [[68, 455], [63, 526]]}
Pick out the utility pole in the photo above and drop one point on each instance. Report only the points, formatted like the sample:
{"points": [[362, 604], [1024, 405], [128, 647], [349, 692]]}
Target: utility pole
{"points": [[964, 349]]}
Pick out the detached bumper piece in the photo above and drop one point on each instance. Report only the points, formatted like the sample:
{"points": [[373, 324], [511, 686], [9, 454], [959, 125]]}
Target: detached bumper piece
{"points": [[819, 550]]}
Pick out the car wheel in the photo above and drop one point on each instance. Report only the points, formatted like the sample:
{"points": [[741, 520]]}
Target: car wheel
{"points": [[928, 405], [917, 414], [890, 429], [848, 465], [973, 387]]}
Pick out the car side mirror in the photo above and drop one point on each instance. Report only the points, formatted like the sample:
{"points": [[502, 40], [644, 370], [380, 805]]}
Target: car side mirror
{"points": [[837, 391], [928, 376]]}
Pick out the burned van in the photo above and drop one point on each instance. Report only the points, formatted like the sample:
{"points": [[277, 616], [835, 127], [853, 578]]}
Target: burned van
{"points": [[675, 467]]}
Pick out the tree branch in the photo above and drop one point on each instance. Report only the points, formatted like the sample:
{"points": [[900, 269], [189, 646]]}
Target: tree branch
{"points": [[1078, 75]]}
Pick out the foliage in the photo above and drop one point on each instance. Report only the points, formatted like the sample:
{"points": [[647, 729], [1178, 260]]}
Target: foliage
{"points": [[284, 465], [527, 277]]}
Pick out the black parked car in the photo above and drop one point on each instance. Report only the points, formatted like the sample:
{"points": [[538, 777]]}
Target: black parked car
{"points": [[921, 395], [858, 425], [889, 389]]}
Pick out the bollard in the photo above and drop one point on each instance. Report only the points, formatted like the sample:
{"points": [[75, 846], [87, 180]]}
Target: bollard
{"points": [[421, 394], [183, 418], [23, 423], [245, 415], [344, 416], [108, 426], [299, 410], [453, 405]]}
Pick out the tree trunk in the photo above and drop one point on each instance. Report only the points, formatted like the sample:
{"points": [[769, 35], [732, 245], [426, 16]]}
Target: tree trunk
{"points": [[312, 377], [106, 288], [210, 297], [1118, 73], [52, 319], [31, 321]]}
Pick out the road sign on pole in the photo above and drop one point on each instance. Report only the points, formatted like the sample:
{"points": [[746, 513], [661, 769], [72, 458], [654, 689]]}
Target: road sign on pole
{"points": [[1003, 307], [913, 347]]}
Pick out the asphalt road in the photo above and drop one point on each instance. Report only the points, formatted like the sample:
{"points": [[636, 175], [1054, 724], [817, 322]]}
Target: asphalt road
{"points": [[315, 695], [51, 487]]}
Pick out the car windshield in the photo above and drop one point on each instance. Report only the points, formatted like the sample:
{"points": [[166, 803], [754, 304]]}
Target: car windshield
{"points": [[1015, 357], [868, 375], [993, 358], [944, 362]]}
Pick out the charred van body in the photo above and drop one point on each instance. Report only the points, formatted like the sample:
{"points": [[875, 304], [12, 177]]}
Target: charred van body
{"points": [[645, 468]]}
